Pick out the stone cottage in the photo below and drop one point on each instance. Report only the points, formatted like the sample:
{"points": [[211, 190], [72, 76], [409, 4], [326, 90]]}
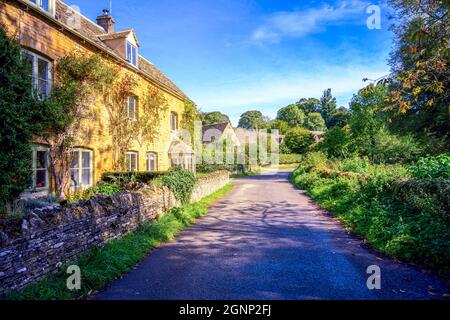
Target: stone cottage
{"points": [[50, 29]]}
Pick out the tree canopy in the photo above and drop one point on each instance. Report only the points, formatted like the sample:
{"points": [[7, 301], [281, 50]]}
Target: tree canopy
{"points": [[214, 117], [252, 120]]}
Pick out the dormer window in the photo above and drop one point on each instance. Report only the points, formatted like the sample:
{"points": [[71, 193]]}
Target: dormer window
{"points": [[131, 53], [46, 5]]}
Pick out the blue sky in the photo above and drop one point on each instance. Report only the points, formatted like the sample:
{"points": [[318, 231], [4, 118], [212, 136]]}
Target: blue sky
{"points": [[238, 55]]}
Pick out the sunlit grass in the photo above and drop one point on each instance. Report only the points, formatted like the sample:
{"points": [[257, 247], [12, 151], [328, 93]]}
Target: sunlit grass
{"points": [[102, 265]]}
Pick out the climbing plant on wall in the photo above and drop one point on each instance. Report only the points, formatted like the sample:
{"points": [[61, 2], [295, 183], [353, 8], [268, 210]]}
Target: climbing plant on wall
{"points": [[78, 79]]}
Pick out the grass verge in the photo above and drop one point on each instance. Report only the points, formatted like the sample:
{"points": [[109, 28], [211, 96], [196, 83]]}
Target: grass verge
{"points": [[102, 265], [246, 174]]}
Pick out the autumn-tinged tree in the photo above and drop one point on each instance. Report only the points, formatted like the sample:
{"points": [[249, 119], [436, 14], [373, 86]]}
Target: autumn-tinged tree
{"points": [[420, 82]]}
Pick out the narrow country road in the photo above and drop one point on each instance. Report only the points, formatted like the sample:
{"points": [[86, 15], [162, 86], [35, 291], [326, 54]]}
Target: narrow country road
{"points": [[267, 240]]}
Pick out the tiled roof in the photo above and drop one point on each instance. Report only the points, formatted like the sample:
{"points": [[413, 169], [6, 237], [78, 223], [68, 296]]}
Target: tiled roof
{"points": [[217, 126], [95, 33]]}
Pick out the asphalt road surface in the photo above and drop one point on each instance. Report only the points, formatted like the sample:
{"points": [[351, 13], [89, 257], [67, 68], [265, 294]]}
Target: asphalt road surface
{"points": [[267, 240]]}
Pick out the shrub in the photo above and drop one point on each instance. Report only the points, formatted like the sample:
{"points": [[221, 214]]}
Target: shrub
{"points": [[336, 143], [432, 167], [20, 118], [181, 182], [210, 168], [403, 217], [290, 158], [104, 188], [391, 148], [298, 140], [314, 160], [122, 178], [357, 165]]}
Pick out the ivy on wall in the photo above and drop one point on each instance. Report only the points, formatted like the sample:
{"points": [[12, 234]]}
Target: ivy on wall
{"points": [[78, 79]]}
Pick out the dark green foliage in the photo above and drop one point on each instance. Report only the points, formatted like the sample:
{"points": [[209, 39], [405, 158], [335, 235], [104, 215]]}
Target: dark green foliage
{"points": [[125, 177], [291, 115], [328, 107], [298, 140], [340, 118], [406, 218], [214, 117], [181, 182], [336, 143], [309, 105], [315, 122], [20, 116], [432, 168], [252, 120]]}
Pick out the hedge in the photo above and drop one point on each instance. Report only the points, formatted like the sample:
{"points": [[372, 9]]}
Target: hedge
{"points": [[290, 158], [124, 177]]}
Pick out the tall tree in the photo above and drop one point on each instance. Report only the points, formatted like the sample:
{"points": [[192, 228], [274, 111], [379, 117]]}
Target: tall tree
{"points": [[292, 115], [340, 118], [328, 107], [252, 120], [367, 118], [214, 117], [420, 80], [315, 122], [308, 105]]}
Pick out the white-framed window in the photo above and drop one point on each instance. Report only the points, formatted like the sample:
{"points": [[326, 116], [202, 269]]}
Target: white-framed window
{"points": [[41, 73], [40, 168], [173, 121], [152, 161], [82, 169], [132, 161], [131, 105], [46, 5], [132, 53]]}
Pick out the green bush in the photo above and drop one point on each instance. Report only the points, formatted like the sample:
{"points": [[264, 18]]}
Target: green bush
{"points": [[104, 188], [181, 182], [122, 178], [313, 160], [391, 148], [210, 168], [290, 158], [432, 167], [298, 140], [336, 143], [403, 217], [20, 117], [357, 165]]}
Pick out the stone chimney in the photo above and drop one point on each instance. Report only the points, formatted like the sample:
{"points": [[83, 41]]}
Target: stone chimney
{"points": [[106, 21]]}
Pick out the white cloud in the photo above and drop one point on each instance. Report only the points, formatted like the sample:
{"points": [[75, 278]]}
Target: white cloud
{"points": [[276, 89], [299, 23]]}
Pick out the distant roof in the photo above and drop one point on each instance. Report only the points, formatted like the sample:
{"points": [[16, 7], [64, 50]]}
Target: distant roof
{"points": [[95, 33], [218, 126]]}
